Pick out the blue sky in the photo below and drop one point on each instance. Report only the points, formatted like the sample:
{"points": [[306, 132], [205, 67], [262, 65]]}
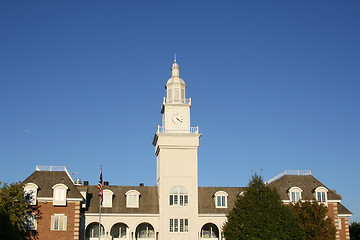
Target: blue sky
{"points": [[274, 86]]}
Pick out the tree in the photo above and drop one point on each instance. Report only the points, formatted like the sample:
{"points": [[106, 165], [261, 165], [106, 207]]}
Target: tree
{"points": [[312, 218], [260, 214], [354, 231], [15, 213]]}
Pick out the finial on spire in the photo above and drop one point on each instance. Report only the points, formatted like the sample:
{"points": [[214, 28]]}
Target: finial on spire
{"points": [[175, 57]]}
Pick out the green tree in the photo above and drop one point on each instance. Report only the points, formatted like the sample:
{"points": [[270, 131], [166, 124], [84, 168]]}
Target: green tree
{"points": [[15, 212], [260, 214], [312, 218], [354, 231]]}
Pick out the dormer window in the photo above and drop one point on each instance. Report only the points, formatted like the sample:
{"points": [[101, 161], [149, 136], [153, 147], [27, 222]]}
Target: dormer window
{"points": [[321, 194], [30, 193], [59, 194], [132, 199], [179, 196], [108, 197], [221, 199], [295, 194]]}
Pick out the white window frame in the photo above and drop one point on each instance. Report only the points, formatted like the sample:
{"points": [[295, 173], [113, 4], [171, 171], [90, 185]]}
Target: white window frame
{"points": [[30, 193], [179, 225], [321, 195], [339, 223], [132, 199], [59, 194], [31, 220], [108, 198], [220, 198], [178, 196], [58, 222], [295, 194]]}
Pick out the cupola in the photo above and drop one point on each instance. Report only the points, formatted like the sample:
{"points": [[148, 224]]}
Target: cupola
{"points": [[175, 86]]}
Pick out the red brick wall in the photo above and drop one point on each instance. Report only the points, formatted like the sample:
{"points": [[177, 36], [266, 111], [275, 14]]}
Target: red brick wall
{"points": [[44, 221]]}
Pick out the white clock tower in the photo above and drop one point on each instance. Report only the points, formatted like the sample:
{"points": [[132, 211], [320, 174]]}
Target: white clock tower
{"points": [[176, 145]]}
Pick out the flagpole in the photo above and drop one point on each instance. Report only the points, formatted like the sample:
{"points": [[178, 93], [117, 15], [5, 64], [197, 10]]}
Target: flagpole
{"points": [[100, 200]]}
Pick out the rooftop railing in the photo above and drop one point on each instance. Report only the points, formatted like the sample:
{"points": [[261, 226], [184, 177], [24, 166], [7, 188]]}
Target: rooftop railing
{"points": [[51, 168], [184, 101], [289, 172], [162, 129]]}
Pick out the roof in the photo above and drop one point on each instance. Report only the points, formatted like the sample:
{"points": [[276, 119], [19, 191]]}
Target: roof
{"points": [[148, 203], [306, 182], [207, 203], [342, 209], [45, 180]]}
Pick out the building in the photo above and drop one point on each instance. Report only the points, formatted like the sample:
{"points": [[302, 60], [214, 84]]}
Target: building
{"points": [[177, 208]]}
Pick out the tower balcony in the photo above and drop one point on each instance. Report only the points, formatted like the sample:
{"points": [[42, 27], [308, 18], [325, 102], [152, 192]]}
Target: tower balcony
{"points": [[162, 129], [177, 101]]}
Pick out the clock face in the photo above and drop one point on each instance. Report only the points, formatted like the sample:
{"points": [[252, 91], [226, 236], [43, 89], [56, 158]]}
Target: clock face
{"points": [[177, 119]]}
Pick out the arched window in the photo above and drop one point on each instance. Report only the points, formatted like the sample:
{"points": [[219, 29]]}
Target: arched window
{"points": [[210, 230], [321, 194], [59, 194], [30, 193], [179, 196], [295, 194], [108, 197], [92, 231], [119, 230], [220, 199], [132, 199], [145, 231]]}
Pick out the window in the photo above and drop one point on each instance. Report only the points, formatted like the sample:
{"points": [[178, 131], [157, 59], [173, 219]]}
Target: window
{"points": [[295, 194], [179, 196], [221, 199], [119, 230], [59, 194], [31, 221], [30, 193], [108, 197], [132, 199], [339, 223], [321, 197], [209, 230], [58, 222], [179, 225], [145, 230], [321, 194], [92, 231]]}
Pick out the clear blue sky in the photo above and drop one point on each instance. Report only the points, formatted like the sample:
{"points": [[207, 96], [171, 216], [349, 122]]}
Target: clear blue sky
{"points": [[274, 86]]}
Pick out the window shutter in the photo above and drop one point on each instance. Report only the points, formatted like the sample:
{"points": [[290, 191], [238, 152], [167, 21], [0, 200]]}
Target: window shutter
{"points": [[52, 222], [64, 222]]}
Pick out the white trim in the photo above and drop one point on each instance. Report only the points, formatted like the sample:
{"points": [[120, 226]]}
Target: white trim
{"points": [[60, 185], [334, 201], [345, 215], [50, 199], [123, 214], [212, 215]]}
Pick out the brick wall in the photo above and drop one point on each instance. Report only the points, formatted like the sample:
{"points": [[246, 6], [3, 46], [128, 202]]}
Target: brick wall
{"points": [[71, 210]]}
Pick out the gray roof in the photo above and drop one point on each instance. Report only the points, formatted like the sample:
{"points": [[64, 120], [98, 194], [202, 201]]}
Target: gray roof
{"points": [[207, 202], [148, 202], [342, 209], [306, 182], [45, 180]]}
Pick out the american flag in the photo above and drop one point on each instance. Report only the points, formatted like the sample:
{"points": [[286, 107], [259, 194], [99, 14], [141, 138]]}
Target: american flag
{"points": [[100, 187]]}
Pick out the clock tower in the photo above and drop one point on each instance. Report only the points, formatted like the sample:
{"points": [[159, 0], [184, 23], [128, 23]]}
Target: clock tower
{"points": [[176, 146]]}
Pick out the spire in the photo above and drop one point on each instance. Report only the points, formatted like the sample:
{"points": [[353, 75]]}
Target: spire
{"points": [[175, 68]]}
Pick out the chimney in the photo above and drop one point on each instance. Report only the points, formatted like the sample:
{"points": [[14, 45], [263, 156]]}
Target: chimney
{"points": [[141, 184], [86, 183], [106, 183]]}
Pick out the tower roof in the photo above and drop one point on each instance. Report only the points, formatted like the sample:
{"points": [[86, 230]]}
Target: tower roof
{"points": [[175, 78]]}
